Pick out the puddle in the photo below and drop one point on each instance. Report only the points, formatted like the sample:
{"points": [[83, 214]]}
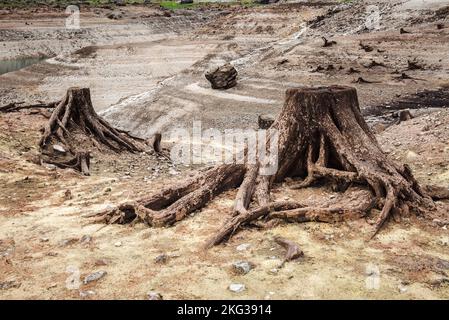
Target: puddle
{"points": [[17, 64]]}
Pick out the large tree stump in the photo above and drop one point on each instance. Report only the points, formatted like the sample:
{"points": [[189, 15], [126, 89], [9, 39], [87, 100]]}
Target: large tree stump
{"points": [[322, 138]]}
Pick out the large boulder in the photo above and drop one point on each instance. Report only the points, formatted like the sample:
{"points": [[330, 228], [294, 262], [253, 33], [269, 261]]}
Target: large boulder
{"points": [[222, 77]]}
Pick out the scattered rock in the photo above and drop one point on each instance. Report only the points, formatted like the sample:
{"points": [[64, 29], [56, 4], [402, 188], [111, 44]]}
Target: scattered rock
{"points": [[222, 77], [243, 247], [49, 166], [94, 276], [59, 148], [5, 285], [402, 288], [101, 262], [118, 244], [114, 15], [242, 267], [237, 287], [87, 293], [274, 271], [86, 239], [152, 295], [162, 258], [68, 195], [68, 242], [411, 156]]}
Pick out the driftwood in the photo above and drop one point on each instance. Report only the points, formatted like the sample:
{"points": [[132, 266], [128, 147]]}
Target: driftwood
{"points": [[17, 106], [328, 43]]}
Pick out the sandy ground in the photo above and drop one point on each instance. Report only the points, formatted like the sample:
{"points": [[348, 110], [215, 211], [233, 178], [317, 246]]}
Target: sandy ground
{"points": [[147, 81]]}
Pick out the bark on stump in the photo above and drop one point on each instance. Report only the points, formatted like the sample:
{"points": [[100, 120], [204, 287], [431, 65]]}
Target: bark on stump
{"points": [[322, 138], [75, 112]]}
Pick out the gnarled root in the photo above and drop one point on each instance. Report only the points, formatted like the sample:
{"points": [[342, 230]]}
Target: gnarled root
{"points": [[321, 136], [175, 203], [75, 110], [80, 162]]}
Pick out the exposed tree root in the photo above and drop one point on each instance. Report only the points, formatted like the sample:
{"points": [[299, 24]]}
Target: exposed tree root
{"points": [[75, 110], [80, 162], [76, 113], [293, 251], [322, 137], [17, 106]]}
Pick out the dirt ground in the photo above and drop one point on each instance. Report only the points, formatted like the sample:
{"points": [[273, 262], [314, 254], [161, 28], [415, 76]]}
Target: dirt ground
{"points": [[146, 73]]}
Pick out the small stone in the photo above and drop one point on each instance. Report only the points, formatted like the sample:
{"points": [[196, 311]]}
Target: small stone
{"points": [[274, 271], [49, 166], [118, 244], [411, 156], [162, 258], [243, 247], [44, 239], [5, 285], [68, 242], [444, 241], [86, 239], [241, 267], [402, 288], [108, 189], [94, 276], [152, 295], [237, 287], [101, 262], [87, 293], [59, 148]]}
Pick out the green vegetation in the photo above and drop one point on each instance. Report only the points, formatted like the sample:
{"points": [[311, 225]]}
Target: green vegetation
{"points": [[171, 5]]}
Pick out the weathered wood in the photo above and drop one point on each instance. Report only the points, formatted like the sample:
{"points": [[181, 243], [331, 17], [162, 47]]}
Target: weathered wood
{"points": [[322, 136]]}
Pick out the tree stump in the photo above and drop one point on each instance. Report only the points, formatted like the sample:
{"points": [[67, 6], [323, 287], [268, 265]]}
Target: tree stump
{"points": [[223, 77], [75, 112], [322, 137]]}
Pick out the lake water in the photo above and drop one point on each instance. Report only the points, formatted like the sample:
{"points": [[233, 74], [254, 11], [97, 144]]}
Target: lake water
{"points": [[17, 64]]}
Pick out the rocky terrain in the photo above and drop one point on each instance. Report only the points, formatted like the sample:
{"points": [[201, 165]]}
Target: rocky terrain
{"points": [[145, 66]]}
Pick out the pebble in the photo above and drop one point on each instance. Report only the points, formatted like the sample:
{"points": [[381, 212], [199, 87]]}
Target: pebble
{"points": [[118, 244], [273, 271], [411, 155], [67, 242], [152, 295], [59, 148], [243, 247], [241, 267], [402, 288], [162, 258], [87, 293], [86, 239], [237, 287], [94, 276]]}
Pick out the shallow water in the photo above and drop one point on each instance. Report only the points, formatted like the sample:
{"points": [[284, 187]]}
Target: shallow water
{"points": [[17, 64]]}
